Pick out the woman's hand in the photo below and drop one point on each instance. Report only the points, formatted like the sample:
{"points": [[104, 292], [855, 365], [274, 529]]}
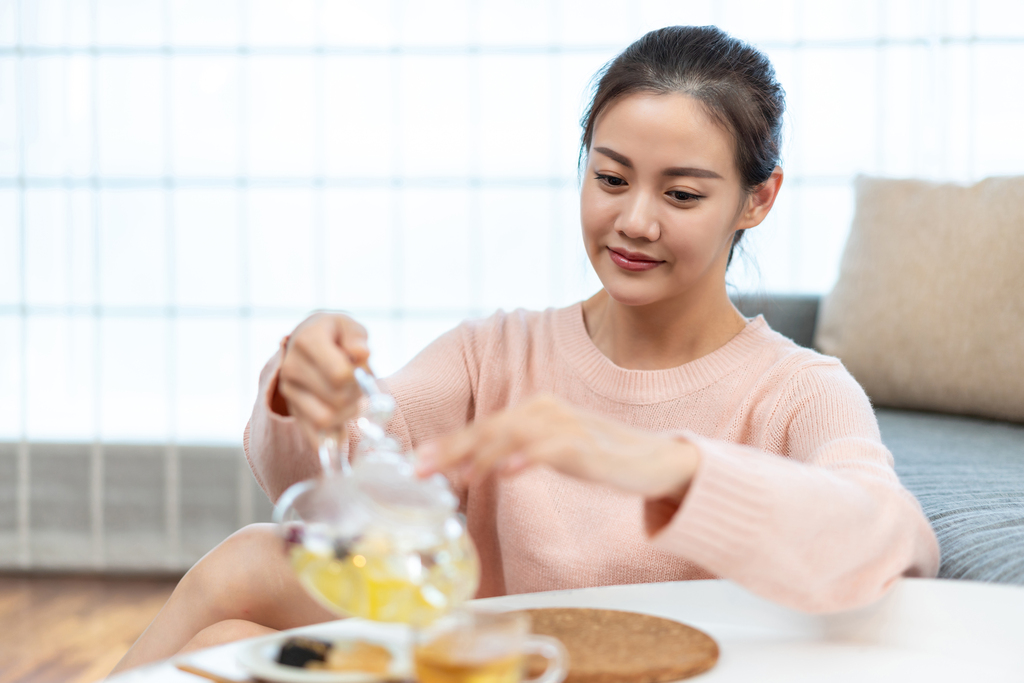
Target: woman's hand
{"points": [[315, 380], [546, 430]]}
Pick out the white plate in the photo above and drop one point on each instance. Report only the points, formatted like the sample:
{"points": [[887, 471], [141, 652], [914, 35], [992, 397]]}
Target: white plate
{"points": [[259, 657]]}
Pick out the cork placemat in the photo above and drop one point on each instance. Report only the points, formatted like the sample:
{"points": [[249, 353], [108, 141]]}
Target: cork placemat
{"points": [[607, 646]]}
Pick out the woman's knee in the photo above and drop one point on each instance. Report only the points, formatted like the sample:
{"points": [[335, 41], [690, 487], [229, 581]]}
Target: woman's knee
{"points": [[253, 536], [235, 568], [248, 577], [255, 541]]}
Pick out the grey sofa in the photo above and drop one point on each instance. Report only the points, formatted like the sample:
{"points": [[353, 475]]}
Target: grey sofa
{"points": [[968, 473]]}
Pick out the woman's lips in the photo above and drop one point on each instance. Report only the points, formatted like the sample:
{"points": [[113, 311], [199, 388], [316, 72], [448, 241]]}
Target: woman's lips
{"points": [[631, 261]]}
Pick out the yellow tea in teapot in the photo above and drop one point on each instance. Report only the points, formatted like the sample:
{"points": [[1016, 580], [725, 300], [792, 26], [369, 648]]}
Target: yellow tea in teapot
{"points": [[378, 582]]}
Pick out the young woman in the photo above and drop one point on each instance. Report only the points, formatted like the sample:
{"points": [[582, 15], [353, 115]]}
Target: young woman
{"points": [[649, 433]]}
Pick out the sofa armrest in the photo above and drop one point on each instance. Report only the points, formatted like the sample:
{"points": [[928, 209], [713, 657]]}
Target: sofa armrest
{"points": [[791, 315]]}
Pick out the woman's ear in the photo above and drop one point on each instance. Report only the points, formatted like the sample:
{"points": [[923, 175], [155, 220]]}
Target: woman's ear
{"points": [[760, 201]]}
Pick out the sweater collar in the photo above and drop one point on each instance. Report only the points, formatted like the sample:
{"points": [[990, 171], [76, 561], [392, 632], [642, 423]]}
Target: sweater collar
{"points": [[650, 386]]}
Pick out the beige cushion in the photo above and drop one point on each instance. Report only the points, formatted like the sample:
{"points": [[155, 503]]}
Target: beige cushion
{"points": [[928, 311]]}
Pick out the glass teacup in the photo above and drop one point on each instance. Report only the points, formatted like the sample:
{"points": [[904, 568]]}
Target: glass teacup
{"points": [[477, 646]]}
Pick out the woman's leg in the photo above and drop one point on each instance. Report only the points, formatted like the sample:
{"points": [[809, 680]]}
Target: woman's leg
{"points": [[225, 632], [247, 577]]}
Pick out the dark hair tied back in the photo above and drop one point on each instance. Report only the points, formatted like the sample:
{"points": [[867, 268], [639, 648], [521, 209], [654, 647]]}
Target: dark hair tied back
{"points": [[732, 79]]}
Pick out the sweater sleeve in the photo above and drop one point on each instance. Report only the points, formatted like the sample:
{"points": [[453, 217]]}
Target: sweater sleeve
{"points": [[275, 447], [823, 526], [434, 395]]}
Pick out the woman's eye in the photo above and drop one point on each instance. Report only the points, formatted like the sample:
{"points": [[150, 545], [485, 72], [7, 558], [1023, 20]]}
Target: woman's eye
{"points": [[614, 181], [681, 196]]}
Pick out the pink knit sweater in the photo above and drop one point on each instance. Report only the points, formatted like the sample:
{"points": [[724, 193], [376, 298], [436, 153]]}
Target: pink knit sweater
{"points": [[795, 496]]}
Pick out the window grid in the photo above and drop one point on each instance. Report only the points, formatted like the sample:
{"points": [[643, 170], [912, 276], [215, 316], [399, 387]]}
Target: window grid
{"points": [[243, 183]]}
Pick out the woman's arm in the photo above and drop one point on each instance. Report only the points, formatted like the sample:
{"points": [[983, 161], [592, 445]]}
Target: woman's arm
{"points": [[307, 388], [434, 395], [826, 526], [279, 454], [822, 525]]}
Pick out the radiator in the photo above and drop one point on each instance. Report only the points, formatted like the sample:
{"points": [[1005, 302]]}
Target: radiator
{"points": [[121, 508]]}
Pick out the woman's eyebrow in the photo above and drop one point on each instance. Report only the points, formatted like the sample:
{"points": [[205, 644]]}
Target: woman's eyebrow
{"points": [[689, 173], [615, 156], [674, 172]]}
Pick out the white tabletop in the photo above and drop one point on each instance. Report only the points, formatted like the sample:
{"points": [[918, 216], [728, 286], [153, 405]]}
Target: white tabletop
{"points": [[922, 630]]}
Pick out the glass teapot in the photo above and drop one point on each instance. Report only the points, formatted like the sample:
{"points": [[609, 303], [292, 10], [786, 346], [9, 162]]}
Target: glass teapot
{"points": [[373, 540]]}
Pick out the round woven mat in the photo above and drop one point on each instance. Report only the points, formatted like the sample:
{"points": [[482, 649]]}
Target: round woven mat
{"points": [[607, 646]]}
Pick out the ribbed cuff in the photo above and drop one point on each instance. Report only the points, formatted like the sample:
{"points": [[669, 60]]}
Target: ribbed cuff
{"points": [[722, 517]]}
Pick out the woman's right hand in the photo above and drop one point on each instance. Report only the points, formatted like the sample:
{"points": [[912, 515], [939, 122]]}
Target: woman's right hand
{"points": [[315, 379]]}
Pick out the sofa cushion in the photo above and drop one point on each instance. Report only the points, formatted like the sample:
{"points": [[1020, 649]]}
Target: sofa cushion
{"points": [[927, 312], [968, 475]]}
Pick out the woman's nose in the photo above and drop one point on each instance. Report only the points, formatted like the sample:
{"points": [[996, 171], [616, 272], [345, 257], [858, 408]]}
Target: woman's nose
{"points": [[638, 220]]}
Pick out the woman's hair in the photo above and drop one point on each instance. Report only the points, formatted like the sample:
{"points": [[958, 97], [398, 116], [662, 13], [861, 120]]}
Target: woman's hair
{"points": [[733, 80]]}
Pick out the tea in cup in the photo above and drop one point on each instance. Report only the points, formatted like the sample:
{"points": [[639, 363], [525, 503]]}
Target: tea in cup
{"points": [[476, 646]]}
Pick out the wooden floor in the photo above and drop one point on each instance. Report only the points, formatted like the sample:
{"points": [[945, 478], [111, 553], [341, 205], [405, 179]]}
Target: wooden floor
{"points": [[72, 629]]}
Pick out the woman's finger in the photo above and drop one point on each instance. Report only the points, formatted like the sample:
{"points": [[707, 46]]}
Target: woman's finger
{"points": [[314, 417], [514, 464], [492, 450], [459, 450], [447, 452], [320, 349], [352, 338], [309, 409], [301, 373], [567, 454], [485, 444], [315, 362]]}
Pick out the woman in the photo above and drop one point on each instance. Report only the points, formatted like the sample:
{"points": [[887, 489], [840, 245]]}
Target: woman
{"points": [[650, 433]]}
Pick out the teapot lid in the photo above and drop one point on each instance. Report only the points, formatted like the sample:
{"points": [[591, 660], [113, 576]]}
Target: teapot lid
{"points": [[388, 480]]}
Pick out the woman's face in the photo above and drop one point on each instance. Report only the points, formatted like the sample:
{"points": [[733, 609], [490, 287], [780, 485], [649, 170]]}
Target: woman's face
{"points": [[660, 200]]}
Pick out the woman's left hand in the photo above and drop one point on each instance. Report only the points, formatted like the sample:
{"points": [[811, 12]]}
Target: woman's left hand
{"points": [[546, 430]]}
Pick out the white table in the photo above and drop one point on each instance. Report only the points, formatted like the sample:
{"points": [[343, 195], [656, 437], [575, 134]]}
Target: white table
{"points": [[922, 630]]}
